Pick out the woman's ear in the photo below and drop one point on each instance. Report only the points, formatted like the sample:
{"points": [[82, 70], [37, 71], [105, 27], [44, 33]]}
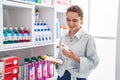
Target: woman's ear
{"points": [[81, 18]]}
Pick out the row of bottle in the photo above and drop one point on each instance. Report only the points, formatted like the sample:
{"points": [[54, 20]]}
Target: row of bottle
{"points": [[36, 68], [42, 33], [16, 35]]}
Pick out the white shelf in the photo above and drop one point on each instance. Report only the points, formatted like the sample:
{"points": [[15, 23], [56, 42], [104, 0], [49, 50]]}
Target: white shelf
{"points": [[61, 8], [43, 44], [16, 46], [33, 3]]}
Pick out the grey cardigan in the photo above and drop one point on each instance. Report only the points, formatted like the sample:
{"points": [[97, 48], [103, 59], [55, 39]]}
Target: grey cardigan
{"points": [[83, 45]]}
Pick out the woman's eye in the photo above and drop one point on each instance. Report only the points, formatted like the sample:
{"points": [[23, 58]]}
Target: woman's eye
{"points": [[68, 20], [75, 20]]}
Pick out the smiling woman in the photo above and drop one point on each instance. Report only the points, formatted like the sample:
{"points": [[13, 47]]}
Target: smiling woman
{"points": [[81, 57]]}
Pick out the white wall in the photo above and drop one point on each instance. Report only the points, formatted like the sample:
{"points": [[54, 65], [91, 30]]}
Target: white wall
{"points": [[103, 25], [118, 47], [106, 50]]}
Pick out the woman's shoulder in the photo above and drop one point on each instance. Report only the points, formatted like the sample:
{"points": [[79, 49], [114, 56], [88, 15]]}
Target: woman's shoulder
{"points": [[86, 34]]}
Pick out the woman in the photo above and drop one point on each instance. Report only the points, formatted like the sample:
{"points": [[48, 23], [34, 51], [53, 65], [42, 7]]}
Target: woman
{"points": [[81, 58]]}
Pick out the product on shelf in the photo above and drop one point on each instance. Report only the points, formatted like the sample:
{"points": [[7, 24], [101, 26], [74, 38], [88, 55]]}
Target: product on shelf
{"points": [[43, 34], [16, 32], [37, 14], [22, 34], [31, 0], [57, 28], [50, 34], [10, 35], [5, 36], [61, 30], [52, 59], [63, 2], [27, 34], [9, 68]]}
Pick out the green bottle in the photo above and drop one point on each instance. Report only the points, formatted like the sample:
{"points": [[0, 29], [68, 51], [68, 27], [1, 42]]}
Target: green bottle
{"points": [[10, 35], [16, 36]]}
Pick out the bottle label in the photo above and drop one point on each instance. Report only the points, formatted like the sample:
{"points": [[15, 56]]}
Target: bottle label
{"points": [[51, 69], [40, 71], [22, 37], [10, 36], [5, 38], [45, 69]]}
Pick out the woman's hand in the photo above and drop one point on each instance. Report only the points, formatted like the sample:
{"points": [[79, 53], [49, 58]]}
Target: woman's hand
{"points": [[54, 62], [69, 53]]}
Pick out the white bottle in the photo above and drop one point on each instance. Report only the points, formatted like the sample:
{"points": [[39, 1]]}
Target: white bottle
{"points": [[36, 15], [63, 45], [46, 35], [50, 34]]}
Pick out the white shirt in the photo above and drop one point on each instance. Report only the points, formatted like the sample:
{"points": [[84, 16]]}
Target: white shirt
{"points": [[83, 45]]}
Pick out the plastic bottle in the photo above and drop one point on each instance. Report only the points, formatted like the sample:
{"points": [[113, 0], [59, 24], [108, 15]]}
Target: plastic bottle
{"points": [[35, 64], [36, 33], [5, 36], [27, 34], [50, 34], [45, 25], [36, 15], [46, 35], [57, 28], [16, 32], [63, 45], [10, 35], [40, 32], [22, 36], [61, 30], [42, 35], [31, 70], [25, 68]]}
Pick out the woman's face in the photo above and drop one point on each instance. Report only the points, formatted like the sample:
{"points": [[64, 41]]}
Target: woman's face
{"points": [[73, 20]]}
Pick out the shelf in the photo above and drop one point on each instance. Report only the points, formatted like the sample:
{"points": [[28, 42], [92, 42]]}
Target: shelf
{"points": [[14, 4], [33, 3], [43, 44], [16, 46], [61, 8]]}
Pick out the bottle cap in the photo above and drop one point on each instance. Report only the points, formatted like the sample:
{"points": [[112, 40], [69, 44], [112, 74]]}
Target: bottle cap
{"points": [[43, 56], [26, 59], [33, 58]]}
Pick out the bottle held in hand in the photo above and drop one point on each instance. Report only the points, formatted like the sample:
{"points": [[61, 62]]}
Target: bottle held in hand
{"points": [[63, 45]]}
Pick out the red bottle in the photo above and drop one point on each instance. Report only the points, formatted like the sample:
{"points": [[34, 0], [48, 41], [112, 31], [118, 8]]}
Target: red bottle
{"points": [[22, 34], [27, 34]]}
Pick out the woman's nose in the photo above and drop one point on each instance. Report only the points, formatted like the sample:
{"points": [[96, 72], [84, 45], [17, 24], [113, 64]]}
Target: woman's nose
{"points": [[71, 23]]}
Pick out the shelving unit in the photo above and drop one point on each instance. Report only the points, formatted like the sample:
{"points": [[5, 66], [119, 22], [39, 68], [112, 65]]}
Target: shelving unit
{"points": [[12, 15], [16, 13]]}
